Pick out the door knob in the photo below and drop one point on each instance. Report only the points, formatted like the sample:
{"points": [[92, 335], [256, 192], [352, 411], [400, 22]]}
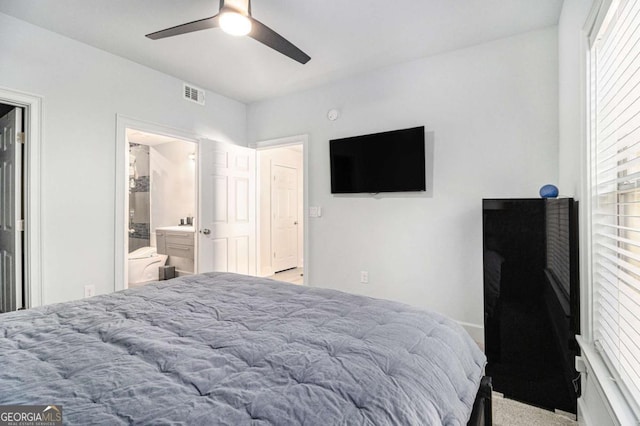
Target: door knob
{"points": [[205, 231], [295, 223]]}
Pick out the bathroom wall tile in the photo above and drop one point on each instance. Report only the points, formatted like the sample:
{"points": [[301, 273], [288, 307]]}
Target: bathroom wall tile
{"points": [[142, 184], [141, 230]]}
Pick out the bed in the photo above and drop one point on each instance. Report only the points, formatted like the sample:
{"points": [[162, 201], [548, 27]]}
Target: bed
{"points": [[229, 349]]}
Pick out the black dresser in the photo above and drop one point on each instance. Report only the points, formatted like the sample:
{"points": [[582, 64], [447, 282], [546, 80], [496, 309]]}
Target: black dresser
{"points": [[531, 299]]}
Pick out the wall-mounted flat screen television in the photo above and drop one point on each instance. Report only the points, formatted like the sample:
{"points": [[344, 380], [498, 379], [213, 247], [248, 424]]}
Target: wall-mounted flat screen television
{"points": [[381, 162]]}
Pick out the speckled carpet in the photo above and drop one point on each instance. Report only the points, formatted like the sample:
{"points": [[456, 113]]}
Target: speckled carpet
{"points": [[507, 412]]}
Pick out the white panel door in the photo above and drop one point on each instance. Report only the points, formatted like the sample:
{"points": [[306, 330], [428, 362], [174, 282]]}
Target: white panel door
{"points": [[284, 217], [227, 227], [10, 211]]}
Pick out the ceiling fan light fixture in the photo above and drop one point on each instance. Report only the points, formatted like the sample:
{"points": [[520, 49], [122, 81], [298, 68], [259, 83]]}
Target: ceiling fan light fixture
{"points": [[234, 17], [235, 23]]}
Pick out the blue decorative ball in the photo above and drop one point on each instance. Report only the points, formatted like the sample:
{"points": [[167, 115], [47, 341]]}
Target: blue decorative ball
{"points": [[549, 191]]}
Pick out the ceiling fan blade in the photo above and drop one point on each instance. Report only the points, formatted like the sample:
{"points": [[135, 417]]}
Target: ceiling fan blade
{"points": [[190, 27], [268, 37]]}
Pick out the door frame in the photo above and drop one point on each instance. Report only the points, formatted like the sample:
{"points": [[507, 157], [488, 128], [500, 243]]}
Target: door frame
{"points": [[123, 122], [281, 143], [32, 249]]}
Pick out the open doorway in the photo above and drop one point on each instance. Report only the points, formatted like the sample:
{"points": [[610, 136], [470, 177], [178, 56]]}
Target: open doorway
{"points": [[12, 208], [224, 217], [281, 212], [160, 202], [26, 205]]}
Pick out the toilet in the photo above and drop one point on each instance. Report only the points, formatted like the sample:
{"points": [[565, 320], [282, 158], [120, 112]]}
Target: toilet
{"points": [[143, 265]]}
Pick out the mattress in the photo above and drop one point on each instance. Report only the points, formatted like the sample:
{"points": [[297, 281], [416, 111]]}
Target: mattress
{"points": [[229, 349]]}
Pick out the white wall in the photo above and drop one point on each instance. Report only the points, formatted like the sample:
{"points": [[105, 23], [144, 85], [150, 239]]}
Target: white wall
{"points": [[173, 184], [173, 191], [83, 89], [493, 109]]}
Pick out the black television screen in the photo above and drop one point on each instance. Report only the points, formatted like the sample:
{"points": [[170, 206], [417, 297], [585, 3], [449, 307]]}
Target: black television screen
{"points": [[381, 162]]}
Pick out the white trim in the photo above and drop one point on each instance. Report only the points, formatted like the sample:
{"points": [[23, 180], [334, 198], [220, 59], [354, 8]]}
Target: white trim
{"points": [[476, 331], [32, 250], [281, 142], [122, 202], [278, 143], [586, 281], [586, 273], [617, 405], [619, 408], [584, 418], [596, 18]]}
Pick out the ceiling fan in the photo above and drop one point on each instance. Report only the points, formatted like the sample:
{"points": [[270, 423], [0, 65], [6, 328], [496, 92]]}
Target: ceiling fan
{"points": [[234, 17]]}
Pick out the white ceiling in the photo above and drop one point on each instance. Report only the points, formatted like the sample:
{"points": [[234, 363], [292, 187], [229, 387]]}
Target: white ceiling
{"points": [[343, 37]]}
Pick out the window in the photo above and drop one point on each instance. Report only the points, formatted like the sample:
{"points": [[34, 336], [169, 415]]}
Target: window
{"points": [[614, 120]]}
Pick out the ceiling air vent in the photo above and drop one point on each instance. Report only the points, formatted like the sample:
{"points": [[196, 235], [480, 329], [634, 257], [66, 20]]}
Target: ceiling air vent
{"points": [[193, 94]]}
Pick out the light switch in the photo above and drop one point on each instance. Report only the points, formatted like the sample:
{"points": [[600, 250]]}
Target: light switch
{"points": [[315, 211]]}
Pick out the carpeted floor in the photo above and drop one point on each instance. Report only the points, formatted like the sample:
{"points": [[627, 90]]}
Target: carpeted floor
{"points": [[507, 412]]}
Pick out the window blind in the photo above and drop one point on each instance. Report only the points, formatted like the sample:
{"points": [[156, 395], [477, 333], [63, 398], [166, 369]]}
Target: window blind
{"points": [[615, 171]]}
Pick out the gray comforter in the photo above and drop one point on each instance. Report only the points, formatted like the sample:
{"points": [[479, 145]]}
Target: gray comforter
{"points": [[230, 349]]}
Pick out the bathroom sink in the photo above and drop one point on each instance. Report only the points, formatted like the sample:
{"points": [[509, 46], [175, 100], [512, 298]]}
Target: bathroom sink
{"points": [[185, 228]]}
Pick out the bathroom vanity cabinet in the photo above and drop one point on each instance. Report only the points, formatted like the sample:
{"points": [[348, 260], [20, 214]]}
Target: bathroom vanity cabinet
{"points": [[178, 242]]}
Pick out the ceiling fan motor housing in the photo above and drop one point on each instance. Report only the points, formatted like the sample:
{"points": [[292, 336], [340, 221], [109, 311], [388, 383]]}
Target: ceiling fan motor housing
{"points": [[238, 6]]}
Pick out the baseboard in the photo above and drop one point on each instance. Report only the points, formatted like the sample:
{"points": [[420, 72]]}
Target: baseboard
{"points": [[475, 331], [583, 416], [604, 400]]}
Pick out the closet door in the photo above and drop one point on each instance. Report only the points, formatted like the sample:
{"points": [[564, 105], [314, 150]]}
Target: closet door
{"points": [[11, 211]]}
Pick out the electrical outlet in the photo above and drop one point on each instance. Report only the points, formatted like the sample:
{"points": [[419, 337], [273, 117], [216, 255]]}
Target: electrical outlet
{"points": [[89, 290], [364, 277]]}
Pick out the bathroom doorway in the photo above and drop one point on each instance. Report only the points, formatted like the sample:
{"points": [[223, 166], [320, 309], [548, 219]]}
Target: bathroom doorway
{"points": [[161, 202], [281, 219]]}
